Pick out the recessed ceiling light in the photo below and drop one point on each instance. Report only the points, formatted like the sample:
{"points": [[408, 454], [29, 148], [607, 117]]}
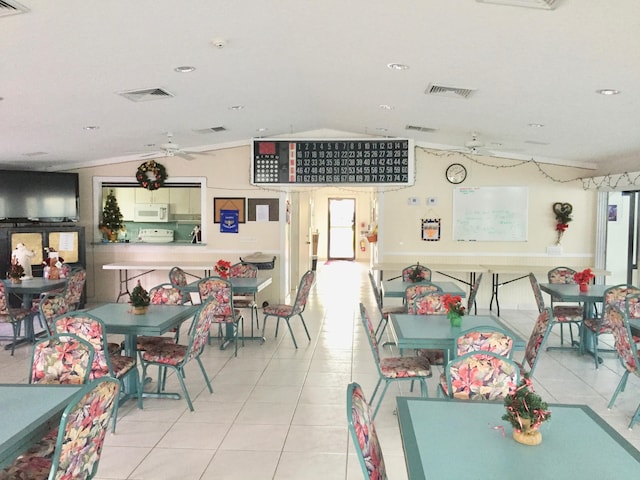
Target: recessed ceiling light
{"points": [[184, 69], [261, 129], [536, 125], [386, 107], [91, 127], [608, 91], [397, 66], [381, 129], [236, 107]]}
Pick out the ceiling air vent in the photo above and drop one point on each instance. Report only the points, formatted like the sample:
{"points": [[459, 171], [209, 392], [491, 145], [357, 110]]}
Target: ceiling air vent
{"points": [[445, 91], [146, 94], [544, 4], [416, 128], [11, 8], [211, 130]]}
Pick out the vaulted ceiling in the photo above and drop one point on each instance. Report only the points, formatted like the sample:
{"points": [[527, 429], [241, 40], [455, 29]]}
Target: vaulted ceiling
{"points": [[501, 80]]}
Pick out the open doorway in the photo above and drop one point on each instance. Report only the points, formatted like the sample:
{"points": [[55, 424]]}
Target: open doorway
{"points": [[623, 232], [342, 236]]}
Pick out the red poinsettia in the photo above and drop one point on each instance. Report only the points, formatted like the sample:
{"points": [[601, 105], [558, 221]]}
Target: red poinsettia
{"points": [[453, 303], [584, 276], [222, 268]]}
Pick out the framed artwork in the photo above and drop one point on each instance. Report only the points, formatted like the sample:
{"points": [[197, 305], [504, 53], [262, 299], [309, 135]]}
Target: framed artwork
{"points": [[612, 213], [263, 209], [225, 203], [431, 229]]}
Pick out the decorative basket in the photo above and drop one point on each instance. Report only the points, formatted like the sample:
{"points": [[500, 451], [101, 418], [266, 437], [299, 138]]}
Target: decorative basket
{"points": [[372, 238]]}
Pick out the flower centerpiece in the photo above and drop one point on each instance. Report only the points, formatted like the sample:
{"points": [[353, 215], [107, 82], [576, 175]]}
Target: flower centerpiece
{"points": [[583, 278], [139, 299], [525, 412], [222, 268], [563, 213], [15, 272], [454, 307]]}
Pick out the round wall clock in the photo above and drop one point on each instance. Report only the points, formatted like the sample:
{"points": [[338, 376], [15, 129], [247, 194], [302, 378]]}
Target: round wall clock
{"points": [[456, 173]]}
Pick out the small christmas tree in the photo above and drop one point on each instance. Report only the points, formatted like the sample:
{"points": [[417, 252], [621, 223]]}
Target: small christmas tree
{"points": [[111, 215]]}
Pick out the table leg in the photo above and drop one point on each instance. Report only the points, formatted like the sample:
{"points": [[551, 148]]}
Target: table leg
{"points": [[495, 284]]}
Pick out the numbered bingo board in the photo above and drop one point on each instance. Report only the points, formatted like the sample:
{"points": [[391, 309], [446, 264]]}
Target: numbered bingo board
{"points": [[340, 161]]}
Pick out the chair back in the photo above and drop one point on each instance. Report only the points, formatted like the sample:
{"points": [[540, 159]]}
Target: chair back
{"points": [[51, 306], [177, 277], [376, 291], [481, 376], [74, 288], [166, 294], [408, 273], [618, 295], [488, 339], [538, 337], [4, 302], [82, 430], [623, 340], [91, 329], [363, 434], [62, 358], [303, 292], [537, 292], [243, 270], [474, 292], [221, 292], [430, 303], [412, 292], [561, 275], [371, 333], [199, 331]]}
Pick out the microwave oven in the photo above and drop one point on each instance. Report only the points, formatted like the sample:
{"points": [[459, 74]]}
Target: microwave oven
{"points": [[151, 212]]}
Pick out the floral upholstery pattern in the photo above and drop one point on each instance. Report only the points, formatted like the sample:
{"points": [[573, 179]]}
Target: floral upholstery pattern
{"points": [[75, 286], [561, 275], [245, 270], [407, 273], [286, 312], [394, 368], [220, 291], [79, 444], [480, 376], [541, 329], [537, 293], [177, 356], [627, 351], [61, 359], [430, 304], [474, 292], [11, 315], [164, 294], [363, 434], [177, 277], [50, 307], [412, 292], [485, 340]]}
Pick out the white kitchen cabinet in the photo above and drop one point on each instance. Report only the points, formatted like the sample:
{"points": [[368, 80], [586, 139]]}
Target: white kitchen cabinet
{"points": [[126, 198], [152, 196]]}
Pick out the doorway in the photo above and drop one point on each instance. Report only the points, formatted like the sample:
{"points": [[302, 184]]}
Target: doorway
{"points": [[341, 243], [623, 232]]}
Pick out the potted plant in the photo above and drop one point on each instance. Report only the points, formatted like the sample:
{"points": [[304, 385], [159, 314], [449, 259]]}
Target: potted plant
{"points": [[139, 299], [111, 218], [15, 273], [525, 412], [454, 307]]}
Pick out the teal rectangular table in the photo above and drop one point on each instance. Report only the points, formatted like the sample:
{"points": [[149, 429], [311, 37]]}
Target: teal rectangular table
{"points": [[465, 440], [396, 288], [28, 413], [436, 332], [119, 318]]}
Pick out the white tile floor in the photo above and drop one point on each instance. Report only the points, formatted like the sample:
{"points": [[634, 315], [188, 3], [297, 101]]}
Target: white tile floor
{"points": [[279, 413]]}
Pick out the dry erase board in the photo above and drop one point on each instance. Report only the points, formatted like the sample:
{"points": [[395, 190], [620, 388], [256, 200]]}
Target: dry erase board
{"points": [[340, 161], [490, 214]]}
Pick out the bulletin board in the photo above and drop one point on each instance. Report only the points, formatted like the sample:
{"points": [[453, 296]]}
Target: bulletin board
{"points": [[490, 214], [272, 203], [33, 241], [224, 203], [66, 244]]}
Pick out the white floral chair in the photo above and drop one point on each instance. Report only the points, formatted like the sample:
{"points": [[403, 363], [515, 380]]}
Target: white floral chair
{"points": [[64, 359], [15, 316]]}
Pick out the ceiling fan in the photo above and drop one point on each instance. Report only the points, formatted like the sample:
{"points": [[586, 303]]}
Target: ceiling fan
{"points": [[170, 149]]}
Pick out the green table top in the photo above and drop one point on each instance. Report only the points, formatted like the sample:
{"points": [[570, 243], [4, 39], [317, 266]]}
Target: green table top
{"points": [[159, 319], [35, 285], [435, 331], [465, 440], [239, 285], [396, 288], [28, 413], [570, 292]]}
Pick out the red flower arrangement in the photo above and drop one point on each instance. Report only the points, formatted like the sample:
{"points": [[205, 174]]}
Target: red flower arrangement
{"points": [[222, 268], [453, 304], [584, 276]]}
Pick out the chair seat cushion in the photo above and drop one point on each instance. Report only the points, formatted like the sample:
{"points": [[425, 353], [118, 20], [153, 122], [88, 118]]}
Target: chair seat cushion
{"points": [[122, 364], [28, 467], [435, 357], [567, 313], [167, 353], [278, 310], [15, 315], [147, 342], [405, 367], [593, 324], [114, 349]]}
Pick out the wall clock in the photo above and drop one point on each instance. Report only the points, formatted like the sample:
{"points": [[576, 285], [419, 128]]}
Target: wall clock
{"points": [[456, 173]]}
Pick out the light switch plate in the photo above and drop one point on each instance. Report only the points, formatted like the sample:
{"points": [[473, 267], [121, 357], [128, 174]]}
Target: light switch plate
{"points": [[432, 201], [413, 201], [555, 250]]}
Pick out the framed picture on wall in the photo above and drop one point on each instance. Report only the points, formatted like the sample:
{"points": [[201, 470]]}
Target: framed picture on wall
{"points": [[225, 203]]}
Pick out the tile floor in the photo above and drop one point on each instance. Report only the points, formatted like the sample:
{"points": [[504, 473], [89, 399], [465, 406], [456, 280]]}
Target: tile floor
{"points": [[279, 413]]}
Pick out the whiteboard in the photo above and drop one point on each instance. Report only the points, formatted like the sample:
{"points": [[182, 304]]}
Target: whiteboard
{"points": [[490, 214]]}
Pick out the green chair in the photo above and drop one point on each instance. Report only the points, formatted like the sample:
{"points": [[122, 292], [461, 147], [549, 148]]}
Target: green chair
{"points": [[62, 358]]}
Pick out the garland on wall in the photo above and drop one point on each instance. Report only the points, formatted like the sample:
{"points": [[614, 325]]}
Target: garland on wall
{"points": [[151, 175]]}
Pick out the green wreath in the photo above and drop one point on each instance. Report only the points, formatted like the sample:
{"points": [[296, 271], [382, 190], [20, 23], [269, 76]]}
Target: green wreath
{"points": [[157, 177]]}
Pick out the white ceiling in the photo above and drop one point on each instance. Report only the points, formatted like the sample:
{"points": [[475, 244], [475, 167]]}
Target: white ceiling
{"points": [[303, 66]]}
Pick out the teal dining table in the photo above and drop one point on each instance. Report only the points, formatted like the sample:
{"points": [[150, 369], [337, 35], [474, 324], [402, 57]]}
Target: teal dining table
{"points": [[436, 332], [464, 440], [28, 413], [118, 318]]}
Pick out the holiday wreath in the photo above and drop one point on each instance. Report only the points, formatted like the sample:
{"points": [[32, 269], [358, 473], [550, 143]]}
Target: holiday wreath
{"points": [[151, 175]]}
